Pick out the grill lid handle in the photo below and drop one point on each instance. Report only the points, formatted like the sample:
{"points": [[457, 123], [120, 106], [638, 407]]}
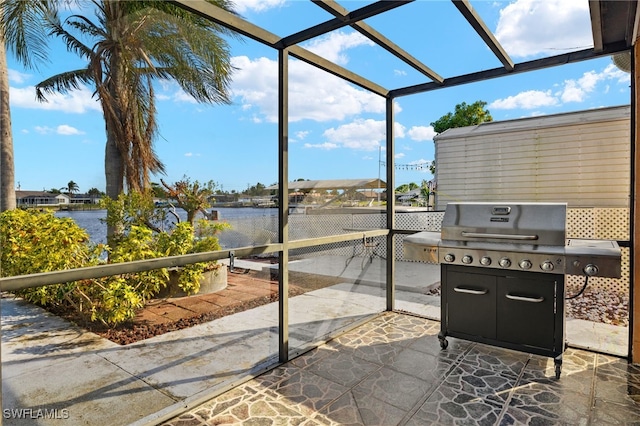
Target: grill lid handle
{"points": [[499, 236]]}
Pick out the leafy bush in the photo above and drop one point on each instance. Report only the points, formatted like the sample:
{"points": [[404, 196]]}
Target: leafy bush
{"points": [[184, 239], [34, 242]]}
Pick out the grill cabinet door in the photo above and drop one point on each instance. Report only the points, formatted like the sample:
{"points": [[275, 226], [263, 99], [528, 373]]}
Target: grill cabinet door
{"points": [[526, 310], [471, 304]]}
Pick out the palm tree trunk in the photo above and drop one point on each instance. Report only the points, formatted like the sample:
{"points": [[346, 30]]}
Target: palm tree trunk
{"points": [[113, 171], [7, 171]]}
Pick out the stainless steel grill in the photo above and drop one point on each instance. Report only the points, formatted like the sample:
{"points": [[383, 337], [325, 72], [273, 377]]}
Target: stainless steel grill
{"points": [[519, 236], [503, 269]]}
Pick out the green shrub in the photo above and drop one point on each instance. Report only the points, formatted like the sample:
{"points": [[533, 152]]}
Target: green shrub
{"points": [[184, 239], [33, 241]]}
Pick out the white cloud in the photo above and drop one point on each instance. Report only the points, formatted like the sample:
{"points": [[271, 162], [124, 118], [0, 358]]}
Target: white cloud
{"points": [[421, 133], [326, 145], [361, 134], [17, 77], [67, 130], [313, 94], [302, 134], [612, 72], [571, 90], [399, 155], [578, 90], [525, 100], [533, 27], [76, 102], [333, 45], [243, 6], [43, 130], [399, 73]]}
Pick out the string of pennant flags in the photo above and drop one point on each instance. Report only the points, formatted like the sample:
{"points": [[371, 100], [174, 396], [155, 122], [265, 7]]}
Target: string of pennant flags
{"points": [[415, 166]]}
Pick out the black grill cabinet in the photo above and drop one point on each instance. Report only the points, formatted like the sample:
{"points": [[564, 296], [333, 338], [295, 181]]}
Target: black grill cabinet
{"points": [[523, 311]]}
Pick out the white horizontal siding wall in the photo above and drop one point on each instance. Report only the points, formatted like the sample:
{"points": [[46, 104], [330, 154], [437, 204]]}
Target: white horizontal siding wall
{"points": [[580, 158]]}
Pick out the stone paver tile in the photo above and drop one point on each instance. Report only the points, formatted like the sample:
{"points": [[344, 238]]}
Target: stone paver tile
{"points": [[350, 411], [537, 404], [445, 407], [398, 389], [305, 392]]}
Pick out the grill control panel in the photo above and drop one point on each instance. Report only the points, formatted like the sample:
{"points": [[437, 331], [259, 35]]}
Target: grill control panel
{"points": [[532, 262]]}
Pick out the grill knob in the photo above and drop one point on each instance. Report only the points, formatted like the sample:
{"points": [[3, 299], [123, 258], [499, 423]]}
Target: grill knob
{"points": [[525, 264], [590, 269], [547, 266], [486, 261], [449, 257], [505, 262], [467, 259]]}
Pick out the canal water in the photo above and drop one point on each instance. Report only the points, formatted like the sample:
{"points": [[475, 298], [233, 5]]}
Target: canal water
{"points": [[92, 220]]}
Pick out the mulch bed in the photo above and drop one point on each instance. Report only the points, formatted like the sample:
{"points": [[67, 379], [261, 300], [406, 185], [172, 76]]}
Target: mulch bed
{"points": [[136, 330], [131, 332]]}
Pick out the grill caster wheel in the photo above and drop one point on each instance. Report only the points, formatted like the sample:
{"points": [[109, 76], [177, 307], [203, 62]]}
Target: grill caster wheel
{"points": [[444, 343], [558, 369]]}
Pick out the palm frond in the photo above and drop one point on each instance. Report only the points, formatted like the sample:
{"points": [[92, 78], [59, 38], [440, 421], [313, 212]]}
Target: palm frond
{"points": [[62, 83], [24, 25], [196, 57], [73, 44]]}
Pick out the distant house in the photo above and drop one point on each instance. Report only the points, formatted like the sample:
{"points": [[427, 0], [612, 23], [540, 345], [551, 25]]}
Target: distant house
{"points": [[40, 199], [84, 199], [407, 198]]}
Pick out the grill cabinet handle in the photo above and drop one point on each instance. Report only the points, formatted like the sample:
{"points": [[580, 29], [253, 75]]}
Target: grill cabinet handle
{"points": [[525, 299], [469, 291], [499, 236]]}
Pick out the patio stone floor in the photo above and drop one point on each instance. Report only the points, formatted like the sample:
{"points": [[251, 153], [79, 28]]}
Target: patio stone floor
{"points": [[391, 371]]}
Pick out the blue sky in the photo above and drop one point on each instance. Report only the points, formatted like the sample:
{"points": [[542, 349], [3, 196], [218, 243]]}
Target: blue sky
{"points": [[336, 129]]}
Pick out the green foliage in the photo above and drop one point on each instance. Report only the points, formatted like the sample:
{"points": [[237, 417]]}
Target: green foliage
{"points": [[134, 215], [464, 115], [192, 197], [406, 187], [132, 209], [256, 190], [184, 239], [34, 242]]}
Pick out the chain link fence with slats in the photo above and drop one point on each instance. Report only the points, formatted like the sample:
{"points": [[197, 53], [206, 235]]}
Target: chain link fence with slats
{"points": [[592, 223]]}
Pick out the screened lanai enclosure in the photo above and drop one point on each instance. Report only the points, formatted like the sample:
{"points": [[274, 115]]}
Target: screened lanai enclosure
{"points": [[375, 237], [340, 261]]}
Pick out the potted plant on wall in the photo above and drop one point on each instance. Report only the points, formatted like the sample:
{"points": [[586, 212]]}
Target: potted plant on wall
{"points": [[135, 211], [194, 236]]}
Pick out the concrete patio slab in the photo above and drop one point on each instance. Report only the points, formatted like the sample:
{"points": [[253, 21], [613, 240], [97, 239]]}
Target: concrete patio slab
{"points": [[49, 363]]}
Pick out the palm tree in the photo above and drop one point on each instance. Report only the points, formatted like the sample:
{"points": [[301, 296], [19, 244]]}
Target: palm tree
{"points": [[72, 187], [133, 44], [22, 32]]}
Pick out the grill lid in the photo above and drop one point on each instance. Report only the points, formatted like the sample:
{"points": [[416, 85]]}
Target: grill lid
{"points": [[517, 223]]}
